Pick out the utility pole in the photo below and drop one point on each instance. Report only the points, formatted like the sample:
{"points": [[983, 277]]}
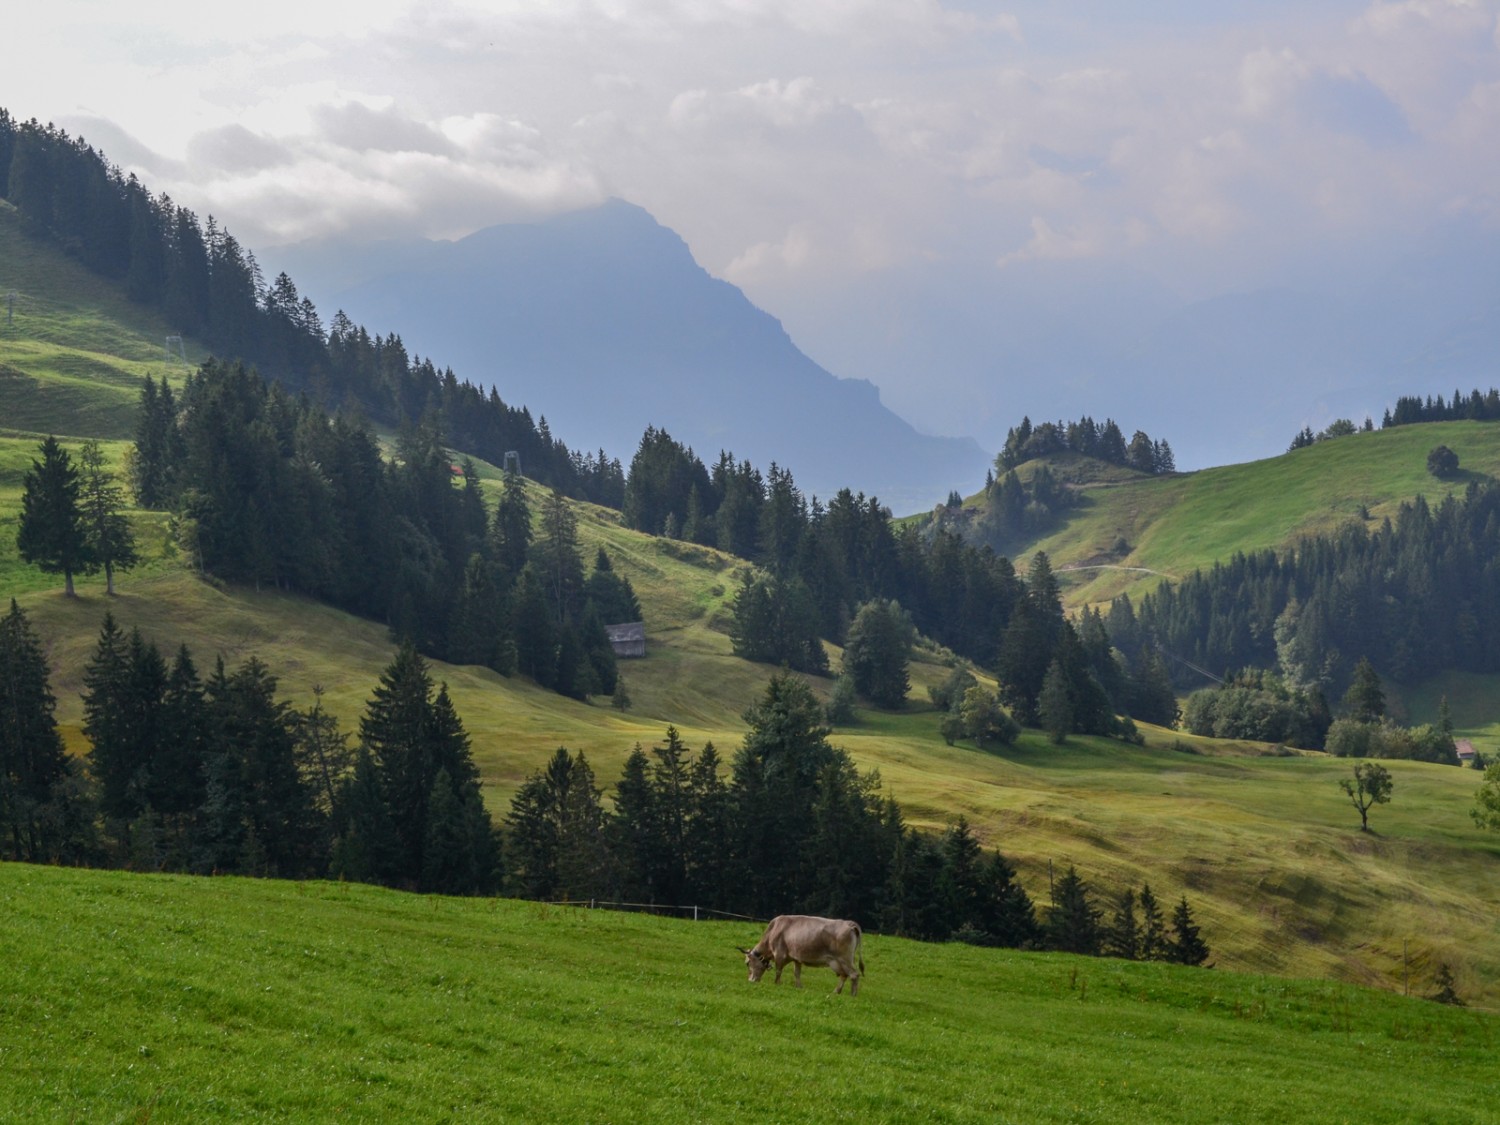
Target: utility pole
{"points": [[10, 308]]}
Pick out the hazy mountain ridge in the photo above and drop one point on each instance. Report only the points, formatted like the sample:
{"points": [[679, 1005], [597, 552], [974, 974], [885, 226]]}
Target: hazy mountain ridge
{"points": [[602, 321]]}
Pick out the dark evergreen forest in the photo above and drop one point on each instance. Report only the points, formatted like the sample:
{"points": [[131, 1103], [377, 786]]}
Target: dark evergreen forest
{"points": [[1415, 596], [269, 490]]}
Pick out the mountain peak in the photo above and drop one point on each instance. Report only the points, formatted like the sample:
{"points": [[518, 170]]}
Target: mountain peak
{"points": [[602, 320]]}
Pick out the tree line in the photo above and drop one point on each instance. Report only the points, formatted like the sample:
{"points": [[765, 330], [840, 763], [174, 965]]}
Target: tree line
{"points": [[1411, 410], [268, 490], [821, 565], [1104, 442], [796, 827], [1415, 595], [207, 286], [216, 774]]}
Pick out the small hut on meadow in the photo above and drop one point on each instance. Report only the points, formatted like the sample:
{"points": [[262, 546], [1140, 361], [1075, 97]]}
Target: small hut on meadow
{"points": [[628, 641]]}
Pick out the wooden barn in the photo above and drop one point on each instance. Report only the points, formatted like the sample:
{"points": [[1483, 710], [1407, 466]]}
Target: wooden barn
{"points": [[628, 641]]}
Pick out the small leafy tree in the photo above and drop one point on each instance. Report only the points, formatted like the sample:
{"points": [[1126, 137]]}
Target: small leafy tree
{"points": [[1486, 810], [984, 720], [1445, 992], [1371, 785], [841, 702], [1442, 462]]}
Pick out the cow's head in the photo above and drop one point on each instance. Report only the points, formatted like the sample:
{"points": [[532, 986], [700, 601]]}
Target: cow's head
{"points": [[755, 963]]}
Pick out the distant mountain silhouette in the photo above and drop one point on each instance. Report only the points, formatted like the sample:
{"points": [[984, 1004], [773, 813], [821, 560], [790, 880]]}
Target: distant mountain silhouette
{"points": [[602, 322]]}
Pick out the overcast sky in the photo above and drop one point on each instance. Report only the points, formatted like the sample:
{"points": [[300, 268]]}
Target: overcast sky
{"points": [[807, 148]]}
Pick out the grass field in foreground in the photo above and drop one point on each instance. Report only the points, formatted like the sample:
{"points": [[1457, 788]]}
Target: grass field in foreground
{"points": [[172, 999]]}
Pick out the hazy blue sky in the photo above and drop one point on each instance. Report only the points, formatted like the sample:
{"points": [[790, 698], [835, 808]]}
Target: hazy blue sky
{"points": [[810, 150]]}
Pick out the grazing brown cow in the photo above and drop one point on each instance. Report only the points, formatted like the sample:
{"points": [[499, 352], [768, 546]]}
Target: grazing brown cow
{"points": [[805, 940]]}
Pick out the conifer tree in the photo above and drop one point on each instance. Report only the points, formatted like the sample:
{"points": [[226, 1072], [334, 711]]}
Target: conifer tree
{"points": [[51, 531], [253, 768], [1153, 931], [877, 651], [635, 832], [33, 762], [1185, 946], [1123, 936], [1055, 705], [1364, 702], [1009, 916], [114, 754], [1072, 925], [510, 533], [707, 833], [413, 735], [106, 530]]}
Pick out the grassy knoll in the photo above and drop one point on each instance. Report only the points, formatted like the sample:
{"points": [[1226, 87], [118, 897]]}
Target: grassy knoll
{"points": [[1177, 524], [130, 997]]}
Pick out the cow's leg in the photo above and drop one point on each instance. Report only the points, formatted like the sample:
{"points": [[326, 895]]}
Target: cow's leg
{"points": [[797, 973]]}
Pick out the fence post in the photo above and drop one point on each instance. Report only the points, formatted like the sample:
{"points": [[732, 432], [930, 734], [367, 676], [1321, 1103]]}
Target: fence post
{"points": [[695, 912]]}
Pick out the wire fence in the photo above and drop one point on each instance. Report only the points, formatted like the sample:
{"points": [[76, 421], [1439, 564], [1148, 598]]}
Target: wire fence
{"points": [[697, 913]]}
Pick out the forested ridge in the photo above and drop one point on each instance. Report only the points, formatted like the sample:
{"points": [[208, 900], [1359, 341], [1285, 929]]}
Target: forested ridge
{"points": [[1415, 595], [207, 286]]}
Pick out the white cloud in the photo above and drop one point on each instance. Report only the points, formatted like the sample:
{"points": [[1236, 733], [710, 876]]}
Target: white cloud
{"points": [[1048, 244]]}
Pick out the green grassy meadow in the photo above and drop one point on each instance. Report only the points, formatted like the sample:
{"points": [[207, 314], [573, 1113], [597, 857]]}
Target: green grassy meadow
{"points": [[1180, 523], [136, 998], [1266, 848]]}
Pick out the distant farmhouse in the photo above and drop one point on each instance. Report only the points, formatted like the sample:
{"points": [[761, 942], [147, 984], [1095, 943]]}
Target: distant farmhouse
{"points": [[628, 640], [1463, 745]]}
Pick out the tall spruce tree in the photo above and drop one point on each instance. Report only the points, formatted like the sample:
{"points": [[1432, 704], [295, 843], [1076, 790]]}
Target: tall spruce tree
{"points": [[51, 532], [774, 786], [1153, 930], [106, 530], [1072, 925], [33, 761], [412, 736], [877, 651], [1185, 946]]}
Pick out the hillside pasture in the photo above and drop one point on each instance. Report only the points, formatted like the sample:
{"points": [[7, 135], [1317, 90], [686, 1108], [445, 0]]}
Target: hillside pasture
{"points": [[128, 997]]}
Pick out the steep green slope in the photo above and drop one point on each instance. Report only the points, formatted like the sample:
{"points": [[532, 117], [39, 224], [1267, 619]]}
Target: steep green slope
{"points": [[1174, 525], [73, 349], [132, 997], [1266, 848]]}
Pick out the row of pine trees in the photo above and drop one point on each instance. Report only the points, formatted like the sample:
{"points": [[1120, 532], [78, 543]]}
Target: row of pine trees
{"points": [[216, 774], [269, 490], [1417, 595], [210, 288]]}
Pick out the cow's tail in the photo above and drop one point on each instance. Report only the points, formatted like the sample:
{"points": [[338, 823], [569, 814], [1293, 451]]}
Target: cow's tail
{"points": [[859, 955]]}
